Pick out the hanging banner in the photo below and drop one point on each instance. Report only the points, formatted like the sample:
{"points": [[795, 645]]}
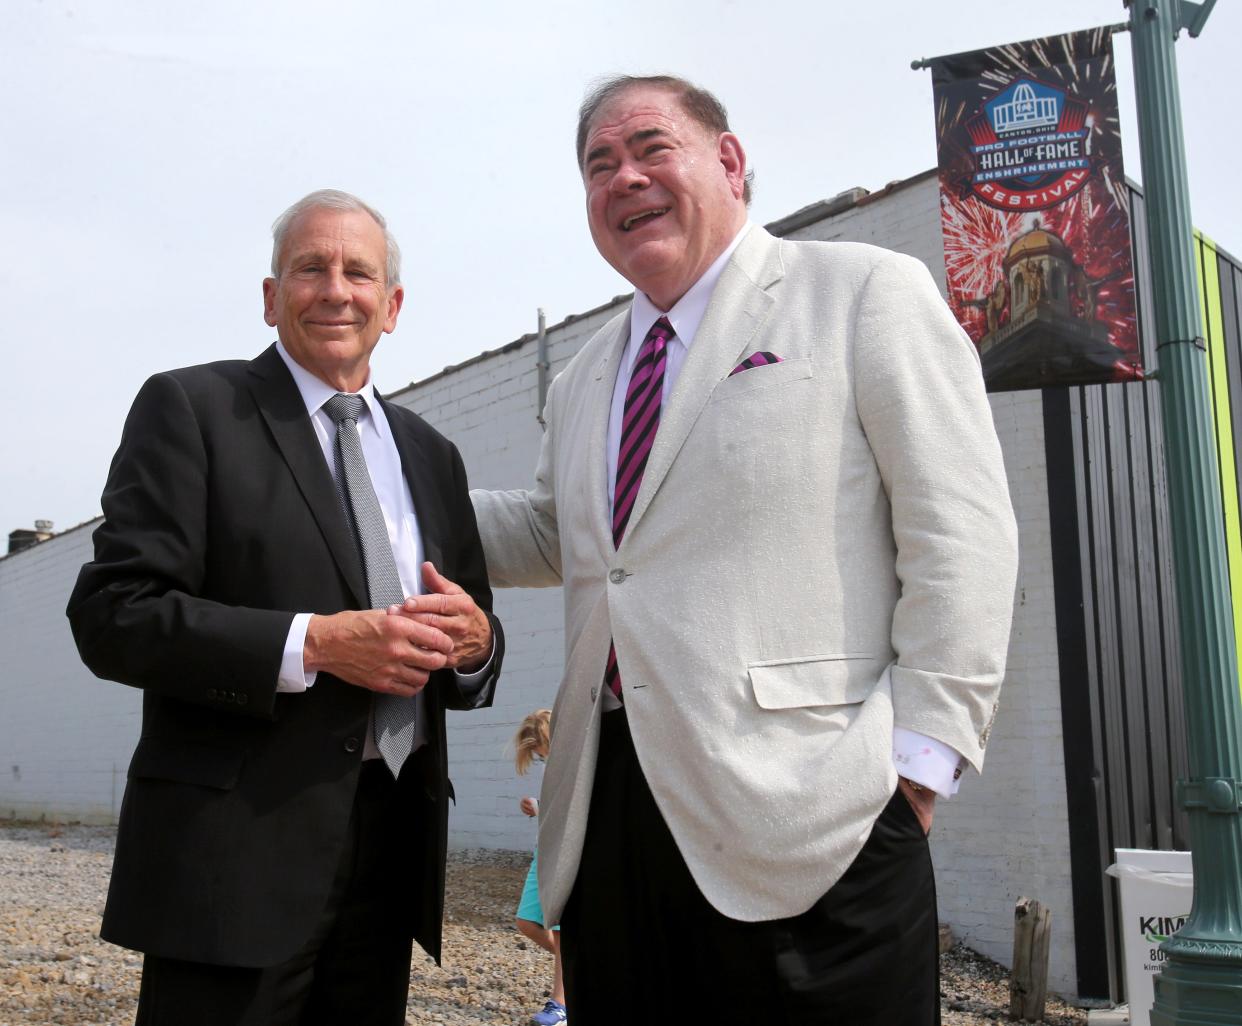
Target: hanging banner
{"points": [[1034, 211]]}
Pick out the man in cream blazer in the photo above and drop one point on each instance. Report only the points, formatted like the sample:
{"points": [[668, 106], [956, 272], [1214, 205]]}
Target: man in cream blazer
{"points": [[809, 604]]}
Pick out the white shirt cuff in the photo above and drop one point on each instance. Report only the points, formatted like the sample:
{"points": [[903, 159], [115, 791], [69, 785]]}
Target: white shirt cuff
{"points": [[926, 761], [293, 678]]}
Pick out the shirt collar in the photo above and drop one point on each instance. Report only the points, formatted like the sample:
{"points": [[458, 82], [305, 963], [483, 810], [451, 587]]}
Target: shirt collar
{"points": [[315, 391], [687, 313]]}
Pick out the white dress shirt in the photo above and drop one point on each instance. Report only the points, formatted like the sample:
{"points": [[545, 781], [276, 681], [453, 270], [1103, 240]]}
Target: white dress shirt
{"points": [[921, 759], [397, 505]]}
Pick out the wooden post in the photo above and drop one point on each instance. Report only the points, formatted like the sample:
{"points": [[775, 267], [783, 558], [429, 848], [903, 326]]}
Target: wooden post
{"points": [[1028, 982]]}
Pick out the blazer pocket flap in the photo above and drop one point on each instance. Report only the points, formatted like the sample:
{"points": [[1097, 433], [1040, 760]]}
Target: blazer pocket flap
{"points": [[823, 680], [184, 762], [769, 375]]}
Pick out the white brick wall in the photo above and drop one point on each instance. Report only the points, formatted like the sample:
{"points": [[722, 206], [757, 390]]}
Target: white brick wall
{"points": [[1004, 836], [65, 736]]}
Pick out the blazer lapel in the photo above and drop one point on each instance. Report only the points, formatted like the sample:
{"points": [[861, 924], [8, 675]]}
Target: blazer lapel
{"points": [[423, 486], [281, 406], [599, 488], [739, 306]]}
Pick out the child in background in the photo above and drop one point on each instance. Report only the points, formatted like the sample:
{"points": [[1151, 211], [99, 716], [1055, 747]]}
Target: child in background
{"points": [[531, 744]]}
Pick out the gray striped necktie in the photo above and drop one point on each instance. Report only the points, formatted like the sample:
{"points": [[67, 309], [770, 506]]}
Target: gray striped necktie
{"points": [[394, 716]]}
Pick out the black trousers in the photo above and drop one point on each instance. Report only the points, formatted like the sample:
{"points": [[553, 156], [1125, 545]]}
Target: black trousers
{"points": [[354, 971], [639, 941]]}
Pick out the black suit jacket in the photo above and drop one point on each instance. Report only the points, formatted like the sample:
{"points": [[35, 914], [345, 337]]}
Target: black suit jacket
{"points": [[221, 521]]}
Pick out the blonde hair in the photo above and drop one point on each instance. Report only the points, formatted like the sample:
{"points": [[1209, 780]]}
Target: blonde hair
{"points": [[534, 734]]}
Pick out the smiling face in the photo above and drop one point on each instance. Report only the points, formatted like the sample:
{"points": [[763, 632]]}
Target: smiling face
{"points": [[664, 194], [332, 301]]}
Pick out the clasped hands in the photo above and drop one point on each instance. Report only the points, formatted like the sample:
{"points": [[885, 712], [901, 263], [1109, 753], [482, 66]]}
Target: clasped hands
{"points": [[395, 650]]}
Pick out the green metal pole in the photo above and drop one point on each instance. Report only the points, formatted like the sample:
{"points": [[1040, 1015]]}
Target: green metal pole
{"points": [[1201, 984]]}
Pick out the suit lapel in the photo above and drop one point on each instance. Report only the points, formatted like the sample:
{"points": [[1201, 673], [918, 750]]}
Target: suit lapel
{"points": [[599, 402], [739, 306], [424, 489], [281, 406]]}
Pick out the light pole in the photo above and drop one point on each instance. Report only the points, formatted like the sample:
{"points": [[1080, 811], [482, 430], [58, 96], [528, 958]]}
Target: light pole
{"points": [[1201, 984]]}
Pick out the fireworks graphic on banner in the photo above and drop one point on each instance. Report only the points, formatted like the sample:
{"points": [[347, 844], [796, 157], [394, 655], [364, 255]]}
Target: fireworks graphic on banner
{"points": [[1035, 212]]}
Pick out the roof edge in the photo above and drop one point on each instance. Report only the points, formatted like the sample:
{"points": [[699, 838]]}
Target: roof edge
{"points": [[509, 347]]}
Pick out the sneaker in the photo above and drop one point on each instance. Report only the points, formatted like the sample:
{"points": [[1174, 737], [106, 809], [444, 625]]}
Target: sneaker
{"points": [[553, 1014]]}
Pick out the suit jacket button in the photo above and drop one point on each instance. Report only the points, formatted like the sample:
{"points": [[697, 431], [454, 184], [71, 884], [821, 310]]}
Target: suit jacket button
{"points": [[616, 576], [352, 744], [594, 693]]}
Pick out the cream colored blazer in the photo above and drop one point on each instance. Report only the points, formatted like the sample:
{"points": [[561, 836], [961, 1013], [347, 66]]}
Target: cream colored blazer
{"points": [[820, 548]]}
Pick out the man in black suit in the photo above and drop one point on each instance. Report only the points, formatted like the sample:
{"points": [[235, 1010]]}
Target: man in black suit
{"points": [[271, 864]]}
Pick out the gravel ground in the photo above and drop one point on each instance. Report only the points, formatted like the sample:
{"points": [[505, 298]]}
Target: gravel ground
{"points": [[55, 970]]}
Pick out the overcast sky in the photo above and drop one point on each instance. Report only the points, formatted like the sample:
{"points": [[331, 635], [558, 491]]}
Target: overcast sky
{"points": [[146, 147]]}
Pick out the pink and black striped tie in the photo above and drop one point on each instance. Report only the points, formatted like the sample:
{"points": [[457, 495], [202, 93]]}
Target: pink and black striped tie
{"points": [[638, 430]]}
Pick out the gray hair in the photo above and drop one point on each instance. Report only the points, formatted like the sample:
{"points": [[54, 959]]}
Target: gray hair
{"points": [[334, 199]]}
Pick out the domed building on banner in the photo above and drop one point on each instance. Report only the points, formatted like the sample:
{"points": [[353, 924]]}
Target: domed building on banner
{"points": [[1041, 318]]}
